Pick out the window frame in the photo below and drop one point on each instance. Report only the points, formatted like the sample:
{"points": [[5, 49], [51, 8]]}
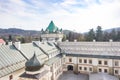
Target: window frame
{"points": [[80, 68], [105, 62], [70, 59], [117, 72], [105, 70], [99, 70], [85, 68], [99, 62], [85, 60], [117, 63], [80, 60], [90, 61]]}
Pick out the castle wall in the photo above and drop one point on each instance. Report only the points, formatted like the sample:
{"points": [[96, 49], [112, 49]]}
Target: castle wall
{"points": [[104, 56], [84, 65]]}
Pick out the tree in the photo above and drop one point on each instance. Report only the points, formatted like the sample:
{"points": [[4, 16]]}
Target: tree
{"points": [[91, 35], [106, 36], [10, 38], [40, 38], [113, 35], [81, 37], [118, 36], [99, 34], [70, 36], [22, 40], [42, 31], [64, 38]]}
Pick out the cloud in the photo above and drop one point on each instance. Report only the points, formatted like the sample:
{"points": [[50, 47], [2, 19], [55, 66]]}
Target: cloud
{"points": [[79, 15]]}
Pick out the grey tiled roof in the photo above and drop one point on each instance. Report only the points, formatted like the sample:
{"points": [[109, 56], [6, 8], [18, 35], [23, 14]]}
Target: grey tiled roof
{"points": [[48, 47], [93, 56], [91, 48], [53, 60], [28, 50], [10, 60]]}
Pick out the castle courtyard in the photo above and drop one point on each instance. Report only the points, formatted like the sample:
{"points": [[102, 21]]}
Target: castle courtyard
{"points": [[69, 75]]}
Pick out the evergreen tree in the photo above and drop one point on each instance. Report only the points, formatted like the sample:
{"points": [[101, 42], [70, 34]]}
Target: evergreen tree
{"points": [[81, 37], [118, 36], [99, 34], [70, 38], [113, 35], [10, 38], [90, 35], [64, 38], [22, 40], [106, 36]]}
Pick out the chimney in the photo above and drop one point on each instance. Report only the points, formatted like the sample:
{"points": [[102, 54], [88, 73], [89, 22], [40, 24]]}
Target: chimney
{"points": [[94, 40], [18, 45], [10, 43], [67, 40], [110, 40], [75, 40]]}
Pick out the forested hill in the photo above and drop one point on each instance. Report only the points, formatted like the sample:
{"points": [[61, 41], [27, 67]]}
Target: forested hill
{"points": [[16, 31], [116, 29], [98, 34]]}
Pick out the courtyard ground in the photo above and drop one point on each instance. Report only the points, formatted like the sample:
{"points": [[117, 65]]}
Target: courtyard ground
{"points": [[69, 75]]}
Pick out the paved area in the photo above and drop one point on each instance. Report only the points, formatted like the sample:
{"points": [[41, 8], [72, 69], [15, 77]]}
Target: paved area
{"points": [[71, 76]]}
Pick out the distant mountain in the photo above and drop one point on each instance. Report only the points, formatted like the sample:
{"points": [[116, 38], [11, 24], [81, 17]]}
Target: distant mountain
{"points": [[66, 32], [16, 31], [21, 32], [109, 30]]}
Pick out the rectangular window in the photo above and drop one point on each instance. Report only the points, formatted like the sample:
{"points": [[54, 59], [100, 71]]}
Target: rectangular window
{"points": [[105, 62], [116, 71], [85, 61], [116, 63], [100, 70], [85, 68], [80, 60], [80, 68], [105, 70], [90, 61], [70, 60], [99, 62], [90, 69]]}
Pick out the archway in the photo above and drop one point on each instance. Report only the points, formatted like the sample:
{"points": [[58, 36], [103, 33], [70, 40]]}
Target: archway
{"points": [[70, 68]]}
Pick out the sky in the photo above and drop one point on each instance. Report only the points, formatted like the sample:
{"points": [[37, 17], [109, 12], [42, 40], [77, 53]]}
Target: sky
{"points": [[75, 15]]}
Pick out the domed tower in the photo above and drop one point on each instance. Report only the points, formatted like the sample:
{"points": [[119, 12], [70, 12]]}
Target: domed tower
{"points": [[52, 33], [34, 70], [33, 64]]}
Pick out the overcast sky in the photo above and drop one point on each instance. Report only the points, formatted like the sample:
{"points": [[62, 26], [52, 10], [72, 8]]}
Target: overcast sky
{"points": [[77, 15]]}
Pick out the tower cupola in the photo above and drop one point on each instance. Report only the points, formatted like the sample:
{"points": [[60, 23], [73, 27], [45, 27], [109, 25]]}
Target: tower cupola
{"points": [[33, 64]]}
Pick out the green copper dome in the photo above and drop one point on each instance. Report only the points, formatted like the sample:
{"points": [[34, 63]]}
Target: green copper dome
{"points": [[51, 27], [33, 64]]}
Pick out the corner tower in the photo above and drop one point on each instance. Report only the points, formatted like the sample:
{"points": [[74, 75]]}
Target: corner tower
{"points": [[34, 70], [52, 33]]}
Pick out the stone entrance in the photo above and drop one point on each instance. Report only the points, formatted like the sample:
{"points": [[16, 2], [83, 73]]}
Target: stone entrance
{"points": [[70, 68]]}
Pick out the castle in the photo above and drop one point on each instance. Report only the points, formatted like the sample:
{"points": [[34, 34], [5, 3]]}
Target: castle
{"points": [[49, 58]]}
